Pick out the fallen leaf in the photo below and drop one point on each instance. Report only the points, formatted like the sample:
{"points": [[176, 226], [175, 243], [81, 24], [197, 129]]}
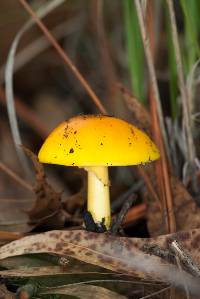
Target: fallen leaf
{"points": [[185, 208], [141, 114], [53, 270], [120, 254], [85, 292], [33, 271], [44, 260], [47, 209]]}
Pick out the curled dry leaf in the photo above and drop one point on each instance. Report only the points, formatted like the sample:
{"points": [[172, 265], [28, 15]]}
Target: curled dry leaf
{"points": [[120, 254], [47, 209], [85, 292]]}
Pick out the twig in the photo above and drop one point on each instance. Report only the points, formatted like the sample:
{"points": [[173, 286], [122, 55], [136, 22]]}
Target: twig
{"points": [[34, 48], [185, 259], [143, 117], [64, 56], [15, 177], [162, 166], [163, 178], [154, 249], [182, 85], [120, 217], [10, 236], [151, 68], [149, 184], [178, 262], [116, 204], [135, 213]]}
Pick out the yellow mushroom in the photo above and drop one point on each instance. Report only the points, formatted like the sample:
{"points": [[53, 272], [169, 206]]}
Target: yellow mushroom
{"points": [[95, 142]]}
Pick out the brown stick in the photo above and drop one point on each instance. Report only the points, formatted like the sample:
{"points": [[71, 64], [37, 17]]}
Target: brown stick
{"points": [[134, 214], [162, 165], [152, 73], [15, 177], [9, 236], [65, 57]]}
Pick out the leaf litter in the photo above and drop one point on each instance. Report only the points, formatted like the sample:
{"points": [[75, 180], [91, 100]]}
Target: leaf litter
{"points": [[85, 292], [119, 254]]}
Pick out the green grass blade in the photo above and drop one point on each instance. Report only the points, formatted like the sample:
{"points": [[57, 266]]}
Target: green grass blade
{"points": [[191, 14], [134, 49]]}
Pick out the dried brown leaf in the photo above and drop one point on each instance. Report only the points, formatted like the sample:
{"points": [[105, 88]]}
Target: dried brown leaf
{"points": [[33, 271], [85, 292], [51, 270], [47, 210], [120, 254], [141, 115], [185, 208]]}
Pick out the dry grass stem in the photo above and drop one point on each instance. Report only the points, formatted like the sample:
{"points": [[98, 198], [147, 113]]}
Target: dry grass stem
{"points": [[40, 44], [15, 177], [157, 120], [151, 69], [187, 123], [9, 85]]}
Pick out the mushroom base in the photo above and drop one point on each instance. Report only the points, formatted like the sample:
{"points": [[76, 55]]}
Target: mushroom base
{"points": [[98, 203]]}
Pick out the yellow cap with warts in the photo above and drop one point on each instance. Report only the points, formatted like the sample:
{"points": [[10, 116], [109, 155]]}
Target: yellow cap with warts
{"points": [[97, 140]]}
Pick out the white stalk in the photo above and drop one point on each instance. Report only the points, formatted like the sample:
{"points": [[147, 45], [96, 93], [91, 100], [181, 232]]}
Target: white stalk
{"points": [[98, 194]]}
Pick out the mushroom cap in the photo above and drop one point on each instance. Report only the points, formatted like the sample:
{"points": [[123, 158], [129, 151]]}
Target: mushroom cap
{"points": [[97, 140]]}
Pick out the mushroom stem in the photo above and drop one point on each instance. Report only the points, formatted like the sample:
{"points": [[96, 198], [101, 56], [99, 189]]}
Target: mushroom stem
{"points": [[98, 195]]}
